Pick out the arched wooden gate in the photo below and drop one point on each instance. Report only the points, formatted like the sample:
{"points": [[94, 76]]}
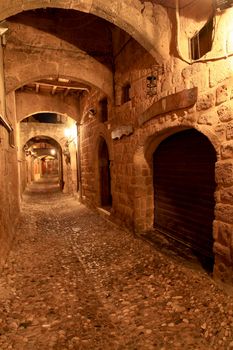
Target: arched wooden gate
{"points": [[184, 186]]}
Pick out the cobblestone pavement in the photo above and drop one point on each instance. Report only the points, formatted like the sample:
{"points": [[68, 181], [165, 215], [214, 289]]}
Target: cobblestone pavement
{"points": [[75, 281]]}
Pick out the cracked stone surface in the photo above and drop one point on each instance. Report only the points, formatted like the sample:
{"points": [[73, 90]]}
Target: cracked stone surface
{"points": [[76, 281]]}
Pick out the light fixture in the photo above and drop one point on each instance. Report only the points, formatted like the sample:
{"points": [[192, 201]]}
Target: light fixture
{"points": [[53, 151], [151, 86], [92, 112]]}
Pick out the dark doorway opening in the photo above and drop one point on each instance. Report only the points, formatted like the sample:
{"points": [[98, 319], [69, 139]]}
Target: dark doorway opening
{"points": [[105, 176], [184, 186]]}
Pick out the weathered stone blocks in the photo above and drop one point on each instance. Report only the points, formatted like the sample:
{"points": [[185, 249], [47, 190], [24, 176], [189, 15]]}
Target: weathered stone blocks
{"points": [[220, 131], [206, 101], [206, 119], [222, 94], [224, 212], [223, 269], [229, 131], [224, 173], [226, 195], [223, 233], [227, 150], [225, 113], [222, 251]]}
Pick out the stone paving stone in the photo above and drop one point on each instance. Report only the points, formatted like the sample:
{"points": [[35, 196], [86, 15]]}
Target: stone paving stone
{"points": [[75, 281]]}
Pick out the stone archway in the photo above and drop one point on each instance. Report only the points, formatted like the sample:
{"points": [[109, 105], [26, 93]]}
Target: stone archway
{"points": [[68, 154], [184, 187], [143, 167], [44, 103], [43, 160], [101, 136], [144, 189], [138, 20], [83, 69]]}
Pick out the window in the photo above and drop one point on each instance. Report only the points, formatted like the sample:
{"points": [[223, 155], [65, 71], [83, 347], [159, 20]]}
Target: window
{"points": [[126, 93], [201, 43], [103, 110]]}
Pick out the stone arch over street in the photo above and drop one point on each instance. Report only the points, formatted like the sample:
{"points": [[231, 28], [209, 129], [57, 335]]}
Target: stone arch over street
{"points": [[68, 166], [87, 71], [131, 19], [43, 158]]}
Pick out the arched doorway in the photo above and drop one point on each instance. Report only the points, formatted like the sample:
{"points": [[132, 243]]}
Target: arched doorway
{"points": [[43, 160], [105, 176], [184, 186]]}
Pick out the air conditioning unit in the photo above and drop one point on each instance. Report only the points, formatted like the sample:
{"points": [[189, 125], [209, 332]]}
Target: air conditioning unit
{"points": [[223, 4]]}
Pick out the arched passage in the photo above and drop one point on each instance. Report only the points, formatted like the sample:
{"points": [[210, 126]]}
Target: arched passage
{"points": [[104, 175], [184, 186], [127, 17], [43, 160]]}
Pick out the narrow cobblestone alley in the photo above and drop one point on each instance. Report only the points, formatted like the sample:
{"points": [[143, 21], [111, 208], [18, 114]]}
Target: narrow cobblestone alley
{"points": [[75, 281]]}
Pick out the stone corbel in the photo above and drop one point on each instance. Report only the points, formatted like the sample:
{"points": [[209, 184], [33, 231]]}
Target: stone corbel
{"points": [[123, 130]]}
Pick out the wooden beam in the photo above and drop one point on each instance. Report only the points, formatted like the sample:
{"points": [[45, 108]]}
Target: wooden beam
{"points": [[66, 92], [75, 86], [54, 90]]}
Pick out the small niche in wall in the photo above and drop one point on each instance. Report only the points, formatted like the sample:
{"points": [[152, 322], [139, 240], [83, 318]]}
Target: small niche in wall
{"points": [[201, 43], [103, 110], [126, 93]]}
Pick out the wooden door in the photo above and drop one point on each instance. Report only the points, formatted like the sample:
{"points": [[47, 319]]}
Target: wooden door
{"points": [[184, 186], [104, 173]]}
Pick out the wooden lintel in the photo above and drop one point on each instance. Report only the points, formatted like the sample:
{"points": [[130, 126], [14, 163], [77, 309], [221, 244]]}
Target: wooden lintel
{"points": [[71, 85], [183, 99]]}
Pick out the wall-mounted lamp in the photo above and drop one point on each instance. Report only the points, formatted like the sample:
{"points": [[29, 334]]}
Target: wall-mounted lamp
{"points": [[66, 152], [92, 112], [151, 86]]}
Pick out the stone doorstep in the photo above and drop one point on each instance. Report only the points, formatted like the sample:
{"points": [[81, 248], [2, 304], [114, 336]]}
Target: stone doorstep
{"points": [[103, 212]]}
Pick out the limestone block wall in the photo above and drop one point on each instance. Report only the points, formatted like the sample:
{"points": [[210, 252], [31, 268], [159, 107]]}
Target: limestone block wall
{"points": [[131, 169], [91, 129], [9, 191]]}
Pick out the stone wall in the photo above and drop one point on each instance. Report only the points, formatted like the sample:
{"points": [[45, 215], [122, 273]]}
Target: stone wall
{"points": [[132, 151], [9, 190]]}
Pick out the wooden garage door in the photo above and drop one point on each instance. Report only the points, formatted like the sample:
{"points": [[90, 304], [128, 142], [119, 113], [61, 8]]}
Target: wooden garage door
{"points": [[184, 185]]}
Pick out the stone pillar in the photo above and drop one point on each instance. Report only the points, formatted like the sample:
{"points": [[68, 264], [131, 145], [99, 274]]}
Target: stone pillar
{"points": [[223, 225]]}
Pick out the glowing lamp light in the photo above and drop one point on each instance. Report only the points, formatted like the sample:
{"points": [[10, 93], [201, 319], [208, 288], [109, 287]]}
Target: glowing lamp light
{"points": [[67, 133], [53, 152], [71, 134]]}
